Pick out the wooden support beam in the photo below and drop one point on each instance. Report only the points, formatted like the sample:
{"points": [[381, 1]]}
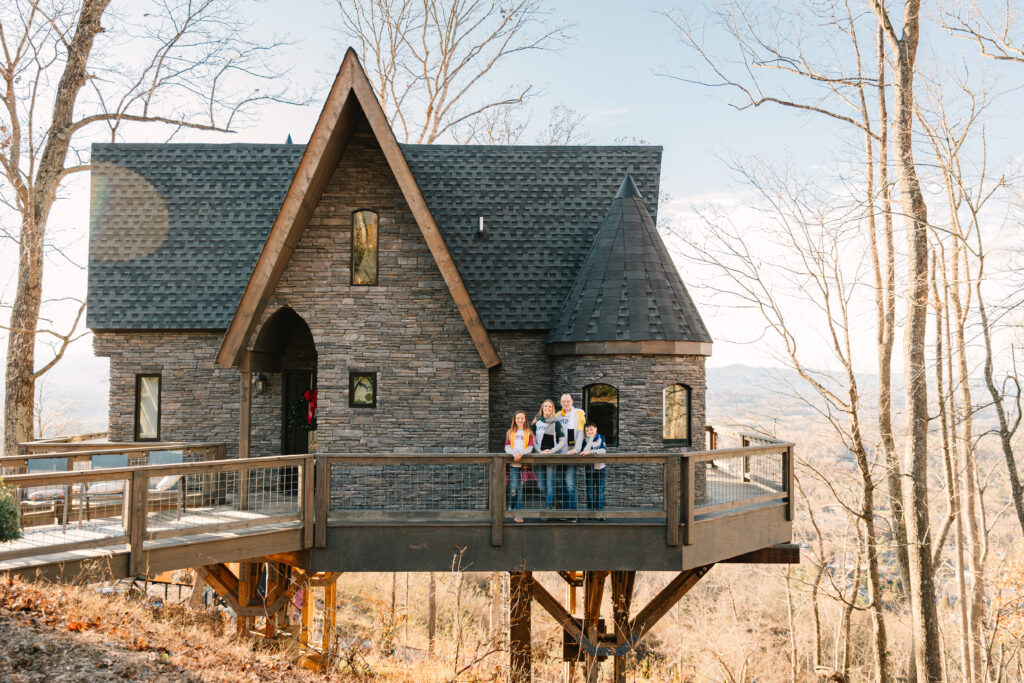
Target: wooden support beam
{"points": [[593, 592], [783, 553], [622, 598], [519, 656], [553, 607], [569, 666], [661, 603], [330, 615], [573, 578], [306, 614]]}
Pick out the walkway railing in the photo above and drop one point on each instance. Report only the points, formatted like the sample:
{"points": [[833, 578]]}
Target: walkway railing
{"points": [[134, 510]]}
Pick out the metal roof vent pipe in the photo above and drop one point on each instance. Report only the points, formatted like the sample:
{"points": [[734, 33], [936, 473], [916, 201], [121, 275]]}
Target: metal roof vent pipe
{"points": [[480, 230]]}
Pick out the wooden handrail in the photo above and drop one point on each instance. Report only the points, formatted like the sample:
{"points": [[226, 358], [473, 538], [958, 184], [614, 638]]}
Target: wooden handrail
{"points": [[84, 453], [187, 468]]}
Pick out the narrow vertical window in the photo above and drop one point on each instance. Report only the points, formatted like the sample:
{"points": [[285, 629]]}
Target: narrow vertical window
{"points": [[147, 407], [601, 404], [676, 415], [364, 248]]}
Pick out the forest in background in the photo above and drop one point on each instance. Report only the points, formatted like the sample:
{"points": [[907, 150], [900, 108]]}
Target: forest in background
{"points": [[885, 277]]}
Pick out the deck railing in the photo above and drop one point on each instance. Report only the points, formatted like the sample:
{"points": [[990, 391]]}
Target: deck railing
{"points": [[156, 506]]}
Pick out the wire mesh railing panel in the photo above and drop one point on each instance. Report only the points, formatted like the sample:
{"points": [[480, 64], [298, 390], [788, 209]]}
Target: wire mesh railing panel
{"points": [[409, 486], [67, 515], [739, 478], [620, 487], [177, 502]]}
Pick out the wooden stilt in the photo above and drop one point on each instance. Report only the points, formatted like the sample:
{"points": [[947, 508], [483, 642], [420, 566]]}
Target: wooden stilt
{"points": [[330, 615], [306, 613], [244, 593], [622, 597], [593, 591], [569, 667], [520, 660]]}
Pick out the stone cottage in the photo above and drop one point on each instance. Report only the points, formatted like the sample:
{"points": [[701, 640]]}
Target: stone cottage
{"points": [[360, 295]]}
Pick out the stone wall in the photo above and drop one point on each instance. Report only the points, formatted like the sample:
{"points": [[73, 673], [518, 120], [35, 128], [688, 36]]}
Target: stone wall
{"points": [[432, 386], [640, 381], [521, 382], [198, 400]]}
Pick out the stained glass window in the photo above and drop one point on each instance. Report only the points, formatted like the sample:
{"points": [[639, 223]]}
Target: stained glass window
{"points": [[362, 389], [676, 420], [364, 248]]}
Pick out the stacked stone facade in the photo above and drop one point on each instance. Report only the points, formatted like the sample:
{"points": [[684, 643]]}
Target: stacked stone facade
{"points": [[199, 400], [432, 387], [640, 381]]}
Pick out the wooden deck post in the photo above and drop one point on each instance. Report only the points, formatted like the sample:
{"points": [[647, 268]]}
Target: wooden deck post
{"points": [[307, 505], [139, 495], [622, 597], [496, 491], [687, 500], [672, 484], [520, 665], [244, 426], [787, 478], [745, 442]]}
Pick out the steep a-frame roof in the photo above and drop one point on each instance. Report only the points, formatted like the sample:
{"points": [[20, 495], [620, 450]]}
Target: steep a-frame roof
{"points": [[350, 95], [629, 290], [177, 228]]}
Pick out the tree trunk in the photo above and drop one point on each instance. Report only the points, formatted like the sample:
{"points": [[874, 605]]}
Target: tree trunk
{"points": [[885, 302], [36, 202], [928, 653]]}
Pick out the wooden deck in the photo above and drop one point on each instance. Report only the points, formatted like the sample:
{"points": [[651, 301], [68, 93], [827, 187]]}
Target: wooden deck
{"points": [[410, 512]]}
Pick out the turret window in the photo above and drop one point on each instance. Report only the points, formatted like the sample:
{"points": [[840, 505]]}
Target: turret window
{"points": [[601, 404], [676, 415]]}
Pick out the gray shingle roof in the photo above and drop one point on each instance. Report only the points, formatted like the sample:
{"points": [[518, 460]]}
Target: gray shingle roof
{"points": [[628, 289], [176, 229]]}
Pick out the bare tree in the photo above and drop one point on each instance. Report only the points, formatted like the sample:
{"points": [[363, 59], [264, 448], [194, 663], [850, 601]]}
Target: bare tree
{"points": [[66, 79], [903, 43], [427, 59], [1001, 41], [565, 127]]}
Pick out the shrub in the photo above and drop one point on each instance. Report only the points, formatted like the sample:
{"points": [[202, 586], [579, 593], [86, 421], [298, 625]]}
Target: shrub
{"points": [[9, 530]]}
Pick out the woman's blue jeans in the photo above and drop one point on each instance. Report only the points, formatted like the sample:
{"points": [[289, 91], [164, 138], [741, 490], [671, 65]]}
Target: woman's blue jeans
{"points": [[515, 488], [548, 482]]}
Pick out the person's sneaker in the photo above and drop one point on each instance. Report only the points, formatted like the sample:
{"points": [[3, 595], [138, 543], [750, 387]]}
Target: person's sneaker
{"points": [[517, 520]]}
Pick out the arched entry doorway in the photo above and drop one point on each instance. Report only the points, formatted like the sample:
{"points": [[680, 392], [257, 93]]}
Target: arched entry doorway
{"points": [[285, 345]]}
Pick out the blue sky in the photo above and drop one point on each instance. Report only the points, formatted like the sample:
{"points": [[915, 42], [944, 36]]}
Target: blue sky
{"points": [[610, 72]]}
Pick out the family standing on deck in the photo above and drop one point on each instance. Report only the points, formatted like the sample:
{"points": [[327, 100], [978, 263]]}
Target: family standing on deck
{"points": [[565, 432]]}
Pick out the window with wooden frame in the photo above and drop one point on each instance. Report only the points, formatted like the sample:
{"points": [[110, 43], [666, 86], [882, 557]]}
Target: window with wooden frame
{"points": [[364, 247], [601, 405], [362, 389], [147, 407], [676, 415]]}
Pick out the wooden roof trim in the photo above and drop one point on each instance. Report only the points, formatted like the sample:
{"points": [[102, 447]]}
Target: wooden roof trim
{"points": [[330, 137]]}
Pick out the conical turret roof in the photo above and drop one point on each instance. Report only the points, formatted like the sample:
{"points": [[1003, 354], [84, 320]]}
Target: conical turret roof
{"points": [[628, 289]]}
